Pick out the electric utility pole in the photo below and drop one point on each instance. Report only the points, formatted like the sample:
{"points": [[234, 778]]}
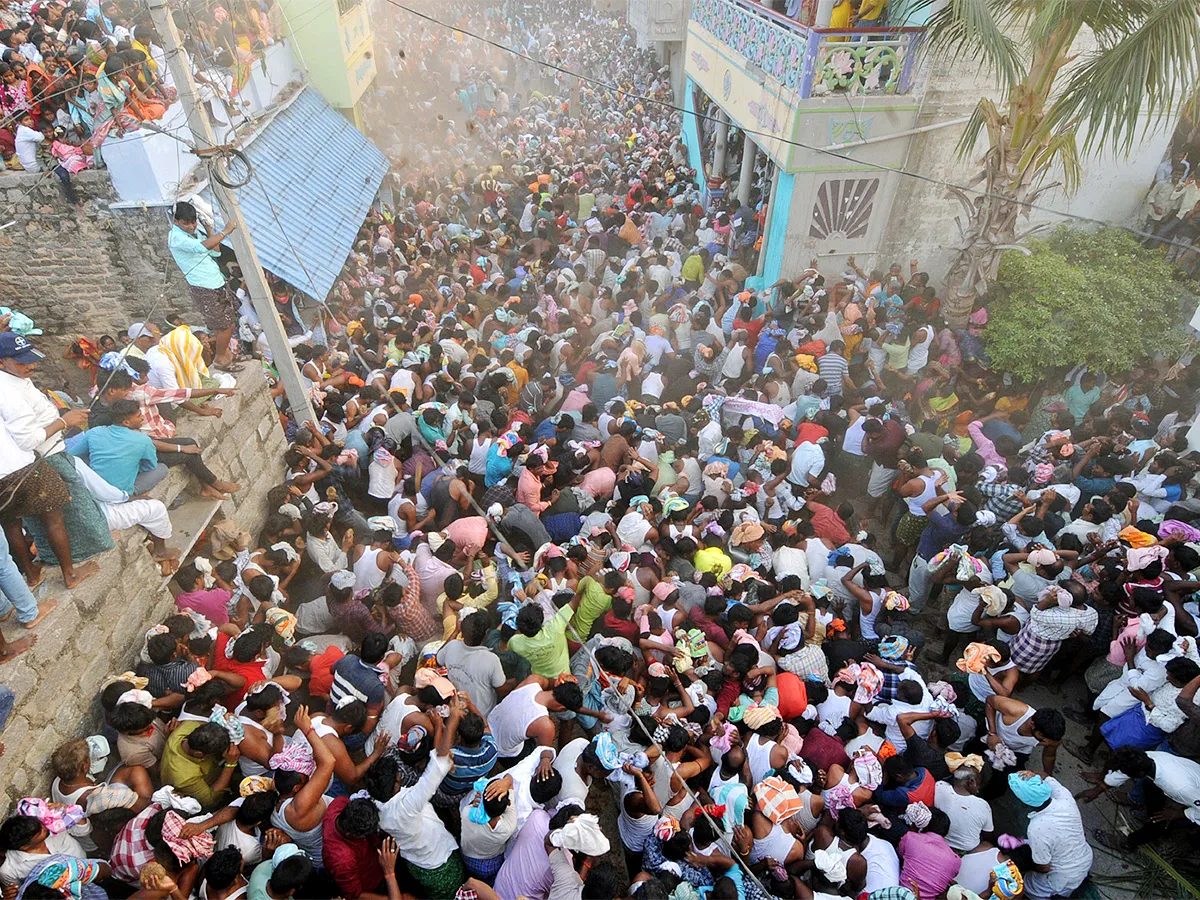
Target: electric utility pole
{"points": [[243, 246]]}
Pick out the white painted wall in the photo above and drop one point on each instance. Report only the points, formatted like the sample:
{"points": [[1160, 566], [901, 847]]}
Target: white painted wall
{"points": [[923, 226]]}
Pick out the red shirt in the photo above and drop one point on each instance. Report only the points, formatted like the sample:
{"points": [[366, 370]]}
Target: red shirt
{"points": [[251, 671], [793, 696], [712, 630], [610, 624], [354, 865], [827, 524], [823, 750], [320, 680]]}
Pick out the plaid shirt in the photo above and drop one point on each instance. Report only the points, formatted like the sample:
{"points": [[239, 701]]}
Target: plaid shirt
{"points": [[1001, 500], [412, 616], [891, 682], [131, 851], [157, 425], [1058, 623]]}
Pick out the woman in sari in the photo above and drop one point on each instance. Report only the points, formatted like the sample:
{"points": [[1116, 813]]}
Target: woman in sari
{"points": [[112, 93]]}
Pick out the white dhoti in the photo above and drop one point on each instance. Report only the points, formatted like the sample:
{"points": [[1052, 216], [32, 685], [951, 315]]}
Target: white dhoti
{"points": [[150, 514]]}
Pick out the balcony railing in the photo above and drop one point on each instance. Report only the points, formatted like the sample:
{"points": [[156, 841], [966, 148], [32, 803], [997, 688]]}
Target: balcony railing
{"points": [[815, 62]]}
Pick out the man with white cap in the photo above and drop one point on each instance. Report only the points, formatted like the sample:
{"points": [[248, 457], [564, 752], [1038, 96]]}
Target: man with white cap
{"points": [[142, 336]]}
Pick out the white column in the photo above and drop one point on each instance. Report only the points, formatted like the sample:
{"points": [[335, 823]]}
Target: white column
{"points": [[722, 144], [746, 179], [824, 12]]}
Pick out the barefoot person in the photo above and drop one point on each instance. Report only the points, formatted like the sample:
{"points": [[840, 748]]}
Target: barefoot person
{"points": [[40, 484]]}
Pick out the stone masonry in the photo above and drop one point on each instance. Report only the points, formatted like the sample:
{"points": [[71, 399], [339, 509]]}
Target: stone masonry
{"points": [[86, 271], [98, 629]]}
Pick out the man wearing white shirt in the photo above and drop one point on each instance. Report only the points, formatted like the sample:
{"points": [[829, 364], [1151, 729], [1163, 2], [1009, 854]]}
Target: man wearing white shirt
{"points": [[408, 816], [58, 509]]}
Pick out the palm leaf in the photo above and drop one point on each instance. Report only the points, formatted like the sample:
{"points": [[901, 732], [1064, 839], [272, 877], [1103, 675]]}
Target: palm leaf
{"points": [[1042, 153], [1149, 72], [975, 29]]}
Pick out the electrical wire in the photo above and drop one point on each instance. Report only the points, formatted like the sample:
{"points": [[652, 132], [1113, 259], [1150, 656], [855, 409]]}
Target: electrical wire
{"points": [[502, 542], [898, 170]]}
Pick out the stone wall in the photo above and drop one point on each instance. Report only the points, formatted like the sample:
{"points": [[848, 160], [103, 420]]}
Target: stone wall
{"points": [[98, 629], [83, 271]]}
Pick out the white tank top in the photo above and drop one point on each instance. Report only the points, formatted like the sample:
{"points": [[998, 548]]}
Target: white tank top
{"points": [[980, 686], [512, 716], [1011, 735], [916, 504], [918, 354], [248, 766], [634, 831], [367, 574], [479, 452], [883, 865], [853, 440], [311, 841], [868, 619], [368, 421], [834, 710], [777, 845], [759, 755]]}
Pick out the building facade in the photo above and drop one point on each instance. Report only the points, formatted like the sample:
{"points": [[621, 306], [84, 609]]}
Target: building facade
{"points": [[824, 116], [849, 136], [335, 46]]}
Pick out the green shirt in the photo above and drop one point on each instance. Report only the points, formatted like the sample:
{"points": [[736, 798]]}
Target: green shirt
{"points": [[192, 777], [258, 881], [693, 268], [546, 650], [593, 603]]}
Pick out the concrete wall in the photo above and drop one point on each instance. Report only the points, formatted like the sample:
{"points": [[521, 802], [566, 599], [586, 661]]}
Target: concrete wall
{"points": [[922, 223], [98, 629]]}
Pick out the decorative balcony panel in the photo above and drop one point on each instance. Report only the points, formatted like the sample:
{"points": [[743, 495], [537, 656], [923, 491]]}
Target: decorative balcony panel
{"points": [[764, 41], [874, 67], [813, 62]]}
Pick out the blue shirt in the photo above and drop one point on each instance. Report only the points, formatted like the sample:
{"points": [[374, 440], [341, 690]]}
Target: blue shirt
{"points": [[197, 262], [470, 763], [352, 676], [116, 453]]}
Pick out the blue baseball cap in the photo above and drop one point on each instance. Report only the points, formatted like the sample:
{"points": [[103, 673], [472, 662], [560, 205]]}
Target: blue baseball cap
{"points": [[19, 348]]}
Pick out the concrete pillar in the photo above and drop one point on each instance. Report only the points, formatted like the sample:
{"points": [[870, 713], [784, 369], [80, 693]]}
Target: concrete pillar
{"points": [[824, 12], [722, 144], [746, 179]]}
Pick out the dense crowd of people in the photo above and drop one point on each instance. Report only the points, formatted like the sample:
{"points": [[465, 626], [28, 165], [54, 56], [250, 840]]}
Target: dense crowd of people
{"points": [[585, 530], [74, 74]]}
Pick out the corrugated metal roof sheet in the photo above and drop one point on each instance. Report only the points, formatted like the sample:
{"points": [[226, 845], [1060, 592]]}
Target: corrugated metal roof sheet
{"points": [[321, 174]]}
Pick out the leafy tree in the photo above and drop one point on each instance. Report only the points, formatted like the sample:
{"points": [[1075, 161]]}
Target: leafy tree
{"points": [[1145, 65], [1078, 297]]}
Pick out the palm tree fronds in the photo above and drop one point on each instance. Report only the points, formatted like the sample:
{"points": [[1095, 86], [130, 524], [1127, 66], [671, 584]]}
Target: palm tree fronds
{"points": [[1057, 148], [1150, 71], [975, 29], [984, 115]]}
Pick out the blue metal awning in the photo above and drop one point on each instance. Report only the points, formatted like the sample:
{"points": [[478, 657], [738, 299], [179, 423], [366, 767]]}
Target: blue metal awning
{"points": [[321, 175]]}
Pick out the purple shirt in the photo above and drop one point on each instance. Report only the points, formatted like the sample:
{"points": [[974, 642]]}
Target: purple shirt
{"points": [[213, 605], [526, 872], [930, 864]]}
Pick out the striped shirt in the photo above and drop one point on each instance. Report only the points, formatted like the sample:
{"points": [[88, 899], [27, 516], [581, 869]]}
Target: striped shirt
{"points": [[168, 678], [832, 367], [470, 763]]}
